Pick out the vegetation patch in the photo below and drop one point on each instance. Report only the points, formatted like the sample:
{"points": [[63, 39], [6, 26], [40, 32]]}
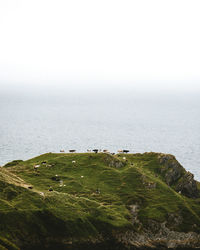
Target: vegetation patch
{"points": [[74, 197]]}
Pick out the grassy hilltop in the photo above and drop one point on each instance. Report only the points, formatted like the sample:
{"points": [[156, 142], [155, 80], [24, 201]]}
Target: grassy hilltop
{"points": [[98, 201]]}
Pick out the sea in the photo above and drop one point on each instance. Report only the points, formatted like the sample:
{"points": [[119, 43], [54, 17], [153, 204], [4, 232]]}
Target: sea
{"points": [[39, 121]]}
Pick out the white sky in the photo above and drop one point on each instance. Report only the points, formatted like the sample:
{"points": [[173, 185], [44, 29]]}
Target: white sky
{"points": [[148, 43]]}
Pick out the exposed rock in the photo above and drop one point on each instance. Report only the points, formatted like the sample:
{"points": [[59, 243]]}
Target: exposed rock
{"points": [[188, 186], [134, 209], [174, 174], [114, 162], [158, 236], [172, 169], [147, 183]]}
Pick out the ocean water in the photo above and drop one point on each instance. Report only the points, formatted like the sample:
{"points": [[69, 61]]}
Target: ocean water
{"points": [[32, 125]]}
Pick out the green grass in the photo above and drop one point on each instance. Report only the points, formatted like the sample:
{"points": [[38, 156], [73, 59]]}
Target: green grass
{"points": [[90, 197]]}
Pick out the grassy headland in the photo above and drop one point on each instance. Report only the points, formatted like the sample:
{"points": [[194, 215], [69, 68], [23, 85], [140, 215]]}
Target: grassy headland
{"points": [[67, 201]]}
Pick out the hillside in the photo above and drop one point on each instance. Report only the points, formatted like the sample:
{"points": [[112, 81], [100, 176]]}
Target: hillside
{"points": [[98, 201]]}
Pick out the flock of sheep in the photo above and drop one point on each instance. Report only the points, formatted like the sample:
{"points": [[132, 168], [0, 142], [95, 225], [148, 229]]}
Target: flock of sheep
{"points": [[57, 178], [97, 150]]}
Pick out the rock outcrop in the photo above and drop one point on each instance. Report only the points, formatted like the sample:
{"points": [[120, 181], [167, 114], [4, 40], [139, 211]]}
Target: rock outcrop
{"points": [[188, 186], [162, 239], [177, 177]]}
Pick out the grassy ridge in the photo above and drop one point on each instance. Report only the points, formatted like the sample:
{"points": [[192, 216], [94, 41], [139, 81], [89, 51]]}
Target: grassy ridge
{"points": [[92, 195]]}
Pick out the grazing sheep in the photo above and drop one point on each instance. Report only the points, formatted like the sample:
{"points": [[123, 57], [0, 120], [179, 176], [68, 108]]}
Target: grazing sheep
{"points": [[82, 176], [125, 151], [36, 166], [72, 150], [88, 150], [120, 151], [62, 151], [73, 161], [95, 150]]}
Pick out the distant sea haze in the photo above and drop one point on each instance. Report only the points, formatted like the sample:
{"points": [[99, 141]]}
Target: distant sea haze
{"points": [[32, 126]]}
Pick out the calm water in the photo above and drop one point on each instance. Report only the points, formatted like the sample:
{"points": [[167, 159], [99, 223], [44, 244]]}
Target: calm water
{"points": [[31, 126]]}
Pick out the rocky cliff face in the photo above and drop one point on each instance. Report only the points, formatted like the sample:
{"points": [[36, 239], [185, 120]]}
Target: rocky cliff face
{"points": [[176, 176], [157, 235], [188, 186], [164, 239]]}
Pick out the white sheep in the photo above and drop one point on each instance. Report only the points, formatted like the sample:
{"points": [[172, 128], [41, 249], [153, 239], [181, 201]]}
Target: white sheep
{"points": [[36, 166]]}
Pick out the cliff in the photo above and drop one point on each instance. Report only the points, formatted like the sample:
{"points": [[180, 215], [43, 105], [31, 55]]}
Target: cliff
{"points": [[99, 201]]}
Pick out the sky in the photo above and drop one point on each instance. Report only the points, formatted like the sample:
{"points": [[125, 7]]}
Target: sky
{"points": [[138, 43]]}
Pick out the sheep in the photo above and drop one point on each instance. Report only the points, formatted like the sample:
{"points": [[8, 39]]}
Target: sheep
{"points": [[120, 151], [125, 151], [36, 166], [62, 151], [73, 161], [72, 150]]}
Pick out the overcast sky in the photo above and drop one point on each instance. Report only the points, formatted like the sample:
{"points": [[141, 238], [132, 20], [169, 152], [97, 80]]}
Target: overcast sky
{"points": [[143, 43]]}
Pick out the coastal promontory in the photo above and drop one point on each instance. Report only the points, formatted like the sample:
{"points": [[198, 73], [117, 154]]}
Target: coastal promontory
{"points": [[99, 201]]}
